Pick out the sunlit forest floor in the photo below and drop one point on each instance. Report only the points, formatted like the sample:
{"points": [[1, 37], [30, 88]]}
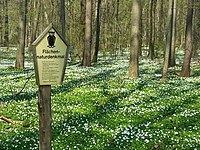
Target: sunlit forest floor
{"points": [[101, 108]]}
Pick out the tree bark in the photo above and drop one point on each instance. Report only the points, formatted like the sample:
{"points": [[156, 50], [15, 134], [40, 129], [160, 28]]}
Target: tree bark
{"points": [[1, 24], [168, 41], [35, 22], [98, 29], [160, 33], [135, 40], [188, 41], [45, 117], [19, 64], [196, 35], [172, 61], [82, 30], [6, 25], [88, 34], [151, 30], [62, 19]]}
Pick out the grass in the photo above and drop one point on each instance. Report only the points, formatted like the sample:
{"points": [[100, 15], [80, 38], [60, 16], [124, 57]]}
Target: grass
{"points": [[100, 108]]}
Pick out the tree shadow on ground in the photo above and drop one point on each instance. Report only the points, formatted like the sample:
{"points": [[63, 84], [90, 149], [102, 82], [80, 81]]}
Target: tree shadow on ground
{"points": [[67, 87], [78, 131], [21, 136], [81, 130]]}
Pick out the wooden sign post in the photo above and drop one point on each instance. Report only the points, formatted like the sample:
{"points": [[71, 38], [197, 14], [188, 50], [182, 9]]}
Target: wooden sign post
{"points": [[50, 58], [45, 118]]}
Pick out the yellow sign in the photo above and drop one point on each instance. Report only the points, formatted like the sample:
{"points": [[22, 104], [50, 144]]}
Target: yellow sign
{"points": [[50, 55]]}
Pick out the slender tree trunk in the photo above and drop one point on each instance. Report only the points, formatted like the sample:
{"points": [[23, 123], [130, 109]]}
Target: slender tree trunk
{"points": [[82, 30], [188, 41], [88, 34], [196, 35], [117, 31], [1, 24], [62, 18], [160, 34], [98, 29], [35, 22], [172, 61], [168, 41], [46, 17], [6, 22], [36, 19], [19, 64], [151, 42], [135, 43]]}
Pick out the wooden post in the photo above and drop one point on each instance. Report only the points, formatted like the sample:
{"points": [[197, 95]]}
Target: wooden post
{"points": [[49, 63], [45, 119]]}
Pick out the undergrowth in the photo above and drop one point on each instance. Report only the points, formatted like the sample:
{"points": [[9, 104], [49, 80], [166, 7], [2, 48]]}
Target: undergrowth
{"points": [[101, 108]]}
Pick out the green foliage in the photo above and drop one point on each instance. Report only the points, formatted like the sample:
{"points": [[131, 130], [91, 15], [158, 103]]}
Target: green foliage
{"points": [[100, 108]]}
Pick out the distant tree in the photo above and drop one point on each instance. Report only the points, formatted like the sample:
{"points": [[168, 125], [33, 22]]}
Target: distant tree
{"points": [[160, 19], [1, 23], [62, 18], [46, 14], [35, 9], [196, 35], [188, 40], [6, 24], [82, 29], [88, 34], [152, 28], [135, 39], [19, 64]]}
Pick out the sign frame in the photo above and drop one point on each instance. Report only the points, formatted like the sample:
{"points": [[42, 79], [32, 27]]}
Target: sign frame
{"points": [[36, 60]]}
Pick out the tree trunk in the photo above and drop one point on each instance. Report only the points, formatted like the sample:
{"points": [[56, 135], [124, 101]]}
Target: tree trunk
{"points": [[135, 43], [168, 40], [88, 34], [98, 29], [172, 61], [82, 29], [19, 64], [151, 41], [160, 33], [188, 41], [6, 25], [35, 22], [1, 24], [196, 32], [62, 19]]}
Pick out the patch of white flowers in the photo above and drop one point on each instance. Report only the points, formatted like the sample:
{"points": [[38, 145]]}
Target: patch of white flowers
{"points": [[101, 108]]}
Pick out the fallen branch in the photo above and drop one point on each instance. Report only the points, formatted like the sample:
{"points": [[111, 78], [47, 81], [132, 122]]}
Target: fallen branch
{"points": [[9, 120], [23, 86], [157, 146]]}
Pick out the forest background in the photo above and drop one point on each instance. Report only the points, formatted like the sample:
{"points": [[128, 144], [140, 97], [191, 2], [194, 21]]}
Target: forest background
{"points": [[163, 25]]}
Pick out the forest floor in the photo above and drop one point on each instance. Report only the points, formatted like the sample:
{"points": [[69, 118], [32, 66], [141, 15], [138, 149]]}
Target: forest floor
{"points": [[101, 108]]}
